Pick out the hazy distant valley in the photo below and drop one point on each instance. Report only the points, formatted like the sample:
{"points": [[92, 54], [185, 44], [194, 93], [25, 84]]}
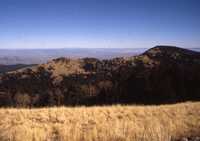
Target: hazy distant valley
{"points": [[38, 56]]}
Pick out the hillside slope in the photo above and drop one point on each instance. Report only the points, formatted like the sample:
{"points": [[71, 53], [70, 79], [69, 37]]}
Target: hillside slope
{"points": [[8, 68], [160, 75]]}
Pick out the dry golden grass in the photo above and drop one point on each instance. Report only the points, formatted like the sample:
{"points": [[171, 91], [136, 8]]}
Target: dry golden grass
{"points": [[109, 123]]}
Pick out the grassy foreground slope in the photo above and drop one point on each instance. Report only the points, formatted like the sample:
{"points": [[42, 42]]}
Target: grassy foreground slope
{"points": [[111, 123]]}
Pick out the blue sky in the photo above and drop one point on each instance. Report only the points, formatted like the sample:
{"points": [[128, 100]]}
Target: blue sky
{"points": [[99, 23]]}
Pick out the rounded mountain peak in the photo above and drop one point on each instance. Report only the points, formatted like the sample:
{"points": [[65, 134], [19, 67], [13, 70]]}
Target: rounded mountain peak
{"points": [[170, 51]]}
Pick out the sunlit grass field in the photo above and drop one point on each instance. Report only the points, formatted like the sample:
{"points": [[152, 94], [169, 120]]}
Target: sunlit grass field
{"points": [[107, 123]]}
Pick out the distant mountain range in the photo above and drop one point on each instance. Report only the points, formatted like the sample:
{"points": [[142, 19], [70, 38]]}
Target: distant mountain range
{"points": [[38, 56], [163, 74]]}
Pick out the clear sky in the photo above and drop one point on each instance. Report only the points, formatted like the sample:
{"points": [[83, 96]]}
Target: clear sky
{"points": [[99, 23]]}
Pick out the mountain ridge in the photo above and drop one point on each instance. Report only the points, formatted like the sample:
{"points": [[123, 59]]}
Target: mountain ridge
{"points": [[160, 75], [38, 56]]}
